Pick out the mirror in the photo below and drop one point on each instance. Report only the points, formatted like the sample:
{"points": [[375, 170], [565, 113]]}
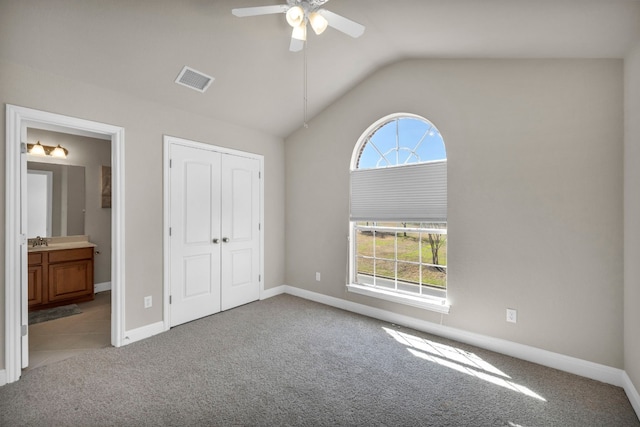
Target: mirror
{"points": [[55, 200]]}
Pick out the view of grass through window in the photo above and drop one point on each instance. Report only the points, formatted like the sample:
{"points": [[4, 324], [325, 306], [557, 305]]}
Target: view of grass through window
{"points": [[402, 256]]}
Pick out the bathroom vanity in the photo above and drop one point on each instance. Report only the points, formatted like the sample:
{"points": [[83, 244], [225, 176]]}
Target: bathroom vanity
{"points": [[60, 273]]}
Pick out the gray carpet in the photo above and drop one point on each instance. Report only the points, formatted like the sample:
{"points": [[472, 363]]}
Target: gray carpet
{"points": [[53, 313], [288, 361]]}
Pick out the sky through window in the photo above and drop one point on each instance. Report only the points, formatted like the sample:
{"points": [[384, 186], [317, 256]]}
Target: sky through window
{"points": [[402, 141]]}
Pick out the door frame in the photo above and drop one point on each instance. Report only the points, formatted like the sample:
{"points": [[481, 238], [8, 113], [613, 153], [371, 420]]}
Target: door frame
{"points": [[18, 119], [168, 141]]}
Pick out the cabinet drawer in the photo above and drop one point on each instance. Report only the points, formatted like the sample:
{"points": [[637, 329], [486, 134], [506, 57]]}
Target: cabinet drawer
{"points": [[35, 258], [70, 255]]}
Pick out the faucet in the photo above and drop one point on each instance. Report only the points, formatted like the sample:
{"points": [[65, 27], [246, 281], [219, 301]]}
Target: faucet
{"points": [[40, 241]]}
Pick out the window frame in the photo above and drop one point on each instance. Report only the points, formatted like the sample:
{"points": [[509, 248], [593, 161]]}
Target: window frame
{"points": [[428, 302]]}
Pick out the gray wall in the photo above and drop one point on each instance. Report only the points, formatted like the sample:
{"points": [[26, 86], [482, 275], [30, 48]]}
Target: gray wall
{"points": [[535, 153], [144, 123], [632, 217]]}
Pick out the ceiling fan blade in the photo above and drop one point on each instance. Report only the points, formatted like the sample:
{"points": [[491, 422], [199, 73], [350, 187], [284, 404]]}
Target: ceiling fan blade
{"points": [[296, 45], [343, 24], [260, 10]]}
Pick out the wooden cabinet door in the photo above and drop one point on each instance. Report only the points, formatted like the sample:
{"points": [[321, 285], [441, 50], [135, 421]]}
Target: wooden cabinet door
{"points": [[35, 285], [70, 279]]}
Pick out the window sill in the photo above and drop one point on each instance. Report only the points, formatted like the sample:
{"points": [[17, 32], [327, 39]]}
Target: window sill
{"points": [[439, 305]]}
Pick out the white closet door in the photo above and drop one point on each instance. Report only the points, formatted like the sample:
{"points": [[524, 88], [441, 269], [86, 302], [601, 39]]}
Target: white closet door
{"points": [[195, 233], [240, 231]]}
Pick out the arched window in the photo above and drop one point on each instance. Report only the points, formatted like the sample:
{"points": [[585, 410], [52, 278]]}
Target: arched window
{"points": [[398, 213]]}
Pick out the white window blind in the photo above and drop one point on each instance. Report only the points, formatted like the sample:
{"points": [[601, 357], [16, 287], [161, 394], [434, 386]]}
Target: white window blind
{"points": [[402, 193]]}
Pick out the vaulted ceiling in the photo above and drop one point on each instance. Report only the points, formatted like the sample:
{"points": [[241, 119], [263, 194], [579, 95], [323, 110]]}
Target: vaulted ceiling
{"points": [[139, 47]]}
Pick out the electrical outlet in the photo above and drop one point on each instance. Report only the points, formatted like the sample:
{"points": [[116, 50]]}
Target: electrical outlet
{"points": [[512, 315], [148, 302], [317, 276]]}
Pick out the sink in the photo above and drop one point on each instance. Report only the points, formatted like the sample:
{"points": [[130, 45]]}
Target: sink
{"points": [[60, 243]]}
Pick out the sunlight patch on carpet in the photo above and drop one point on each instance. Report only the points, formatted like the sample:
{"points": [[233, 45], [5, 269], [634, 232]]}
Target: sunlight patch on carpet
{"points": [[459, 360]]}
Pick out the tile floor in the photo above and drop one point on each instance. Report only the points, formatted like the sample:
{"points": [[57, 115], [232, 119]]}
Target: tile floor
{"points": [[62, 338]]}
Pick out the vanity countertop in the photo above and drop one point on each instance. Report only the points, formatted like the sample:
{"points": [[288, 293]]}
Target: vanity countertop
{"points": [[60, 243]]}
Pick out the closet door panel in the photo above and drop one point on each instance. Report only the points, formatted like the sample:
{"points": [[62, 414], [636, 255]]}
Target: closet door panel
{"points": [[195, 226], [240, 230]]}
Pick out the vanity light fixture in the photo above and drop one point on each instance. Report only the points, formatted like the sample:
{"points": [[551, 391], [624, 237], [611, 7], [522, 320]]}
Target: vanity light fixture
{"points": [[38, 149], [58, 152]]}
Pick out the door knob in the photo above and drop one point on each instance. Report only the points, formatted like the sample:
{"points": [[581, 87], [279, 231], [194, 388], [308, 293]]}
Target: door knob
{"points": [[216, 240], [225, 239]]}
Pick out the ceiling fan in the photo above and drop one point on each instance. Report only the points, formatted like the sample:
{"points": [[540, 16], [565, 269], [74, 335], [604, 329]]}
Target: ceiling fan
{"points": [[298, 13]]}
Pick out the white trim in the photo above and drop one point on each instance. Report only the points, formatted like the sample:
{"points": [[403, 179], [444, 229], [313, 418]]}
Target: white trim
{"points": [[433, 304], [117, 238], [632, 393], [61, 128], [18, 119], [273, 292], [550, 359], [13, 248], [101, 287], [3, 377], [166, 221], [143, 332]]}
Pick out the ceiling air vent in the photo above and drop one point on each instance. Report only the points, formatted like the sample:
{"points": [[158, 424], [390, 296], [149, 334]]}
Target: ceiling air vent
{"points": [[194, 79]]}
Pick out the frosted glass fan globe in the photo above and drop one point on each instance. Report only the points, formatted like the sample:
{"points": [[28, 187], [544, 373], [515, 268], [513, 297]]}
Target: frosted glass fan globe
{"points": [[295, 16]]}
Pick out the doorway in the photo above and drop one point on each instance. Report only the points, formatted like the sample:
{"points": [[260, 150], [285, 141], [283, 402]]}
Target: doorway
{"points": [[16, 313], [68, 308], [214, 214]]}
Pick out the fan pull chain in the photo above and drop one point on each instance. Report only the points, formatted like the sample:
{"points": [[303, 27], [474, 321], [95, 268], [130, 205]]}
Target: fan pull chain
{"points": [[305, 86]]}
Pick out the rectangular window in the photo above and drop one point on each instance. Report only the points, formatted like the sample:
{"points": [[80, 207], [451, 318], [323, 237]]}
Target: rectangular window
{"points": [[407, 258]]}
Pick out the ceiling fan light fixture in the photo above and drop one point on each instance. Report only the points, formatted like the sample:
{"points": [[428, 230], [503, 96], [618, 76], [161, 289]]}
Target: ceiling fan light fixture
{"points": [[318, 22], [295, 16], [300, 32]]}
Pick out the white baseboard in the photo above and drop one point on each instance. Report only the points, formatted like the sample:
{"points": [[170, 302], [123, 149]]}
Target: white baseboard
{"points": [[3, 377], [272, 292], [632, 393], [143, 332], [101, 287], [558, 361]]}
